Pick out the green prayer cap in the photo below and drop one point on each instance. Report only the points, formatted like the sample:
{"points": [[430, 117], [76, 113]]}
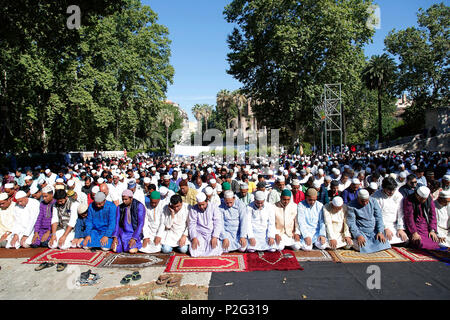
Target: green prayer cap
{"points": [[226, 186], [155, 195], [286, 193]]}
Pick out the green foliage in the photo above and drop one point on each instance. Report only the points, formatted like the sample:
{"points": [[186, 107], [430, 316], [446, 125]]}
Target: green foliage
{"points": [[98, 87]]}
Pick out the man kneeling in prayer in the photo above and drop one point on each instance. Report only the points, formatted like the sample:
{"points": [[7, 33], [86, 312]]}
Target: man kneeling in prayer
{"points": [[287, 231], [335, 217], [365, 222], [261, 224]]}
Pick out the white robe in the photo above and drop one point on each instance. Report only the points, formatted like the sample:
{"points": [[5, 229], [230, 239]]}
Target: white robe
{"points": [[24, 221], [336, 225], [171, 230], [72, 222], [443, 222], [261, 226], [151, 225]]}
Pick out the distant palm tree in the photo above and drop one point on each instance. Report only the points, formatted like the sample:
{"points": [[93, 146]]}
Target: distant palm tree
{"points": [[206, 112], [240, 101], [225, 103], [378, 75], [167, 118], [197, 110]]}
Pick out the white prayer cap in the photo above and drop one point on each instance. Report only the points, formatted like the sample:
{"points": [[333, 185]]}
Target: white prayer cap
{"points": [[423, 192], [255, 177], [82, 208], [99, 197], [281, 179], [153, 168], [320, 171], [259, 195], [336, 171], [446, 177], [337, 202], [95, 189], [270, 173], [373, 186], [403, 174], [100, 180], [228, 194], [28, 178], [208, 191], [20, 194], [70, 183], [184, 176], [47, 171], [167, 177], [3, 196], [201, 197], [293, 170], [212, 181], [33, 190], [285, 172], [47, 189], [328, 178], [136, 175], [147, 180], [393, 175], [244, 186], [363, 194], [295, 182], [413, 168], [68, 176], [94, 171], [356, 181], [316, 184], [444, 194], [163, 190], [59, 180]]}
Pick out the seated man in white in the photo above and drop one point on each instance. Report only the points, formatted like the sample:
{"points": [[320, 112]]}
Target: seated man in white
{"points": [[64, 219], [287, 231], [261, 224], [335, 217], [442, 207], [391, 204], [310, 222], [152, 222]]}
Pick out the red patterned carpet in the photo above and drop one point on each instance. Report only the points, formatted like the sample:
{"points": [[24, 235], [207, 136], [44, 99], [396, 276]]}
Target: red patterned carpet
{"points": [[225, 263], [265, 261], [71, 256]]}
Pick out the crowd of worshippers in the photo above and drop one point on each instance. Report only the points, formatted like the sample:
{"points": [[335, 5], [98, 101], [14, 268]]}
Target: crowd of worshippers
{"points": [[363, 201]]}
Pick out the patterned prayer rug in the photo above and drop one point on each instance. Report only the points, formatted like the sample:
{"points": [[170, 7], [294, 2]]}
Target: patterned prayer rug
{"points": [[352, 256], [415, 255], [313, 255], [225, 263], [138, 260], [20, 253], [71, 256], [278, 260]]}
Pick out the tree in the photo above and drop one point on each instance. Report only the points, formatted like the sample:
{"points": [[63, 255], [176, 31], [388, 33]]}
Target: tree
{"points": [[378, 75], [284, 52], [226, 105], [423, 53], [166, 118]]}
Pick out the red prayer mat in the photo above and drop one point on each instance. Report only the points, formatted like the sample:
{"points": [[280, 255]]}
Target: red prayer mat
{"points": [[225, 263], [264, 261], [415, 255], [71, 256]]}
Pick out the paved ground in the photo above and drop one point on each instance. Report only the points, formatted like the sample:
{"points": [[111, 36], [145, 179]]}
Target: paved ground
{"points": [[318, 280]]}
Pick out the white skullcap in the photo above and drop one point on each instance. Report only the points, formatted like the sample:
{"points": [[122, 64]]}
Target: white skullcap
{"points": [[444, 194], [328, 178], [270, 173], [316, 184], [20, 194], [423, 192], [95, 189], [363, 194], [209, 170], [9, 185], [33, 190], [403, 174], [446, 177], [27, 178], [59, 180], [3, 196], [373, 186], [212, 181], [255, 177], [94, 171], [68, 176], [413, 168], [147, 180], [259, 195], [281, 179], [295, 182], [100, 180], [184, 176], [337, 201], [83, 207], [285, 172], [208, 191], [201, 197], [228, 194], [167, 177], [320, 171], [136, 175], [47, 171], [293, 170], [244, 186], [47, 189], [356, 181], [99, 197], [70, 183], [163, 190]]}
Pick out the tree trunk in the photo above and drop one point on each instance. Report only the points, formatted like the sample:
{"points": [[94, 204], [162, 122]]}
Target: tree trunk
{"points": [[380, 127], [167, 140]]}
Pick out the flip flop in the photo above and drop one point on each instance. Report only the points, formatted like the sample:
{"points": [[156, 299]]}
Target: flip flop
{"points": [[126, 279], [136, 276], [61, 266], [162, 279], [85, 275], [44, 265], [173, 281]]}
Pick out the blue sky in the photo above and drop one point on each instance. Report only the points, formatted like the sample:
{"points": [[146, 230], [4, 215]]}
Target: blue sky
{"points": [[198, 32]]}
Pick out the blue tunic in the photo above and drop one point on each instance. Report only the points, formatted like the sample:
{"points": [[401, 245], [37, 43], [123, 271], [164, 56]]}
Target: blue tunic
{"points": [[100, 223], [310, 221], [234, 223], [125, 234], [367, 221]]}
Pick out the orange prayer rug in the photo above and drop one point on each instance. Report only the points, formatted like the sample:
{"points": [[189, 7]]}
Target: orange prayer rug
{"points": [[352, 256]]}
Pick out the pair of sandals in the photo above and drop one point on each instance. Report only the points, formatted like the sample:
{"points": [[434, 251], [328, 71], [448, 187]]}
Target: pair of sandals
{"points": [[134, 276], [59, 267], [88, 278], [169, 280]]}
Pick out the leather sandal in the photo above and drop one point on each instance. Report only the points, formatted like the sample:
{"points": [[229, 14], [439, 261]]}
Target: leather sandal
{"points": [[162, 279], [44, 265]]}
